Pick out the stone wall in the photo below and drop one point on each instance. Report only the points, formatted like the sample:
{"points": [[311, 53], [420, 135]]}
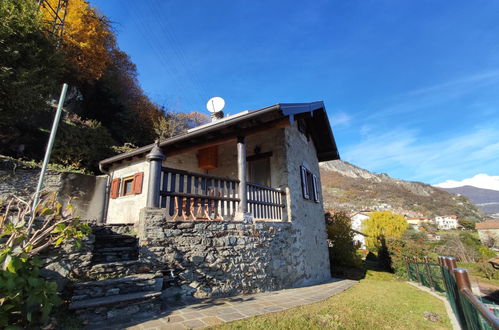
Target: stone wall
{"points": [[212, 259], [306, 216], [87, 191]]}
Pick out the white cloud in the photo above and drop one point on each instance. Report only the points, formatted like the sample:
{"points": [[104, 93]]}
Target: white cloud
{"points": [[480, 181], [340, 118]]}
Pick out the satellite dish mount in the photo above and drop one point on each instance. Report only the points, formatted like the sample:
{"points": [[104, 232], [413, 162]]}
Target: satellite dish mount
{"points": [[215, 106]]}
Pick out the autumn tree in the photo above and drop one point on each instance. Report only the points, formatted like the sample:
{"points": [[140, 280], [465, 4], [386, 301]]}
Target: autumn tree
{"points": [[86, 40], [382, 225]]}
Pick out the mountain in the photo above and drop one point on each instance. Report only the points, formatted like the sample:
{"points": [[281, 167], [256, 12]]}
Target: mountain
{"points": [[486, 199], [351, 188]]}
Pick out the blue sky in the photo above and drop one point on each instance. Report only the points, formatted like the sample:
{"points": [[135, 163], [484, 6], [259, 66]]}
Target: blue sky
{"points": [[411, 87]]}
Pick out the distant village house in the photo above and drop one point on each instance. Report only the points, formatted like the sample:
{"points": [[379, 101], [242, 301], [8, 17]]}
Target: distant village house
{"points": [[488, 231]]}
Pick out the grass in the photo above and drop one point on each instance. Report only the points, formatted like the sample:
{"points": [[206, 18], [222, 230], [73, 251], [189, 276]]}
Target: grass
{"points": [[378, 302]]}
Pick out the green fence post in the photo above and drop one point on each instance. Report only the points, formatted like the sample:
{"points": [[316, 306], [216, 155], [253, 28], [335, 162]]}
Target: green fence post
{"points": [[452, 290], [428, 270], [408, 268], [417, 270]]}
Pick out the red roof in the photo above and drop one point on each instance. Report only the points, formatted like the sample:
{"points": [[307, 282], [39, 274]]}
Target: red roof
{"points": [[489, 224]]}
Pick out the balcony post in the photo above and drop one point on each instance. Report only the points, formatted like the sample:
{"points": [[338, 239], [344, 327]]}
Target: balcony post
{"points": [[241, 169], [155, 159]]}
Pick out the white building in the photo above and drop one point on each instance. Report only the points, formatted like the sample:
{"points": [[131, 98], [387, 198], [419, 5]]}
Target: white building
{"points": [[358, 219], [446, 222]]}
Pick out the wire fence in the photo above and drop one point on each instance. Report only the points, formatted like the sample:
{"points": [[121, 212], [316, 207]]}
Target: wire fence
{"points": [[472, 312]]}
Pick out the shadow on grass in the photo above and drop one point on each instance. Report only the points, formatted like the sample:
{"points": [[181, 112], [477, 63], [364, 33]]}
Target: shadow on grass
{"points": [[357, 273]]}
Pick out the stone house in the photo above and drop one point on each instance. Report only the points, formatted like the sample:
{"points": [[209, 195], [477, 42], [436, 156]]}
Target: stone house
{"points": [[231, 206], [488, 231]]}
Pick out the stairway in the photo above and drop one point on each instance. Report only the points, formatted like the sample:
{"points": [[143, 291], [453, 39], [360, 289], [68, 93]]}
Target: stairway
{"points": [[121, 288], [117, 300]]}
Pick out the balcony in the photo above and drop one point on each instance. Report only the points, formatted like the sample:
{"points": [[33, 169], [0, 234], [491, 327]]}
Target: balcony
{"points": [[194, 196]]}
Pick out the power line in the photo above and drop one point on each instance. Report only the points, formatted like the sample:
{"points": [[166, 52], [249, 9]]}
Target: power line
{"points": [[155, 46]]}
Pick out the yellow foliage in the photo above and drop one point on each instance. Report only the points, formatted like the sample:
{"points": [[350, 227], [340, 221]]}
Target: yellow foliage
{"points": [[86, 38], [383, 225]]}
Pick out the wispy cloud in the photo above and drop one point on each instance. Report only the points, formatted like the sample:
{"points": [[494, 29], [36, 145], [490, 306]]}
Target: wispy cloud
{"points": [[405, 153], [426, 98], [340, 119]]}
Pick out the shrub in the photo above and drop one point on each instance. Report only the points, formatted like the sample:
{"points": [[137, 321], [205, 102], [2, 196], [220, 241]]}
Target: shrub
{"points": [[342, 251], [399, 250], [27, 299], [82, 143]]}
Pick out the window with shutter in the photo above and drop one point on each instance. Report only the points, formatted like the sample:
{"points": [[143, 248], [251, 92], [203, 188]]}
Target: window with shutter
{"points": [[304, 183], [115, 188], [137, 183], [316, 188]]}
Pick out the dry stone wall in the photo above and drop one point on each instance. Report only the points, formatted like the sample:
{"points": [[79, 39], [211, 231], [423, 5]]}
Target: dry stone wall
{"points": [[212, 259]]}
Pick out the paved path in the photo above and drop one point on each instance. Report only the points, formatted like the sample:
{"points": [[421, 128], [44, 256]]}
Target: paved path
{"points": [[217, 311]]}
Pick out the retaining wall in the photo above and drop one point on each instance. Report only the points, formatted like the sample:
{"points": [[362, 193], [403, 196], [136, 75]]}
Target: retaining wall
{"points": [[212, 259]]}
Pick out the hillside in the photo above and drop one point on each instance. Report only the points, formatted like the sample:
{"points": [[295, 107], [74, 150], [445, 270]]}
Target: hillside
{"points": [[350, 188], [486, 199]]}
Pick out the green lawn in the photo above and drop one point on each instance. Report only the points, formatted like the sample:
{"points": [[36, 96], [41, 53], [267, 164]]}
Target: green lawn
{"points": [[378, 302]]}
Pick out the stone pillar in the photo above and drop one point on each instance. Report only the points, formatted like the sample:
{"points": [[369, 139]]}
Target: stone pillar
{"points": [[241, 168], [155, 159]]}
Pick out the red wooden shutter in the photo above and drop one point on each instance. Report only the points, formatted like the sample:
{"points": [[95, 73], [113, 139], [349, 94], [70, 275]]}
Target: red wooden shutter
{"points": [[137, 183], [115, 188], [304, 183]]}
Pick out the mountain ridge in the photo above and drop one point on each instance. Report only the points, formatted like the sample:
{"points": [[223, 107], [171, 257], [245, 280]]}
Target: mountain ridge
{"points": [[350, 188], [486, 199]]}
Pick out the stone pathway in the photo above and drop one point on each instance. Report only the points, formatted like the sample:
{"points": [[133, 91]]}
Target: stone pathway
{"points": [[216, 311]]}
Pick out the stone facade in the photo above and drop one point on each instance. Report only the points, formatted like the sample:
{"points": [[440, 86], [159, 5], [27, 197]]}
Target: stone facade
{"points": [[306, 216], [210, 259]]}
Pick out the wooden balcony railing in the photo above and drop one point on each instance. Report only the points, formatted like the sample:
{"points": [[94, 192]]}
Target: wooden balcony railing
{"points": [[195, 196], [265, 202]]}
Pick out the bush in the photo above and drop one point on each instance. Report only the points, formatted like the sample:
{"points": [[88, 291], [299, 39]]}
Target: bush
{"points": [[342, 251], [82, 143], [400, 250], [28, 299]]}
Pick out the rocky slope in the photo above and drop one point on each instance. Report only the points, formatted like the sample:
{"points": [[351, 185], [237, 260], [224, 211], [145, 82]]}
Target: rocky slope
{"points": [[350, 188]]}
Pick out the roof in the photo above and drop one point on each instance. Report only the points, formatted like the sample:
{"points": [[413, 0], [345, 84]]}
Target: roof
{"points": [[489, 224], [314, 114]]}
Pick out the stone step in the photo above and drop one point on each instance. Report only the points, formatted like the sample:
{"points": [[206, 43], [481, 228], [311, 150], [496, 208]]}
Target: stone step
{"points": [[115, 237], [118, 309], [111, 300], [113, 254], [117, 286], [119, 268]]}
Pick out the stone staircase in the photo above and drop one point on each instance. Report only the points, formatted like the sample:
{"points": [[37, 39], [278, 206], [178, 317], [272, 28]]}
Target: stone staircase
{"points": [[122, 288]]}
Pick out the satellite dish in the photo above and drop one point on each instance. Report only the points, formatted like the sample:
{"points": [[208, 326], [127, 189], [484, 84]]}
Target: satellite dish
{"points": [[215, 104]]}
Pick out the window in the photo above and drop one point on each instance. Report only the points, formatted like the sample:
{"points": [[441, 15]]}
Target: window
{"points": [[126, 186], [309, 184], [131, 185]]}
